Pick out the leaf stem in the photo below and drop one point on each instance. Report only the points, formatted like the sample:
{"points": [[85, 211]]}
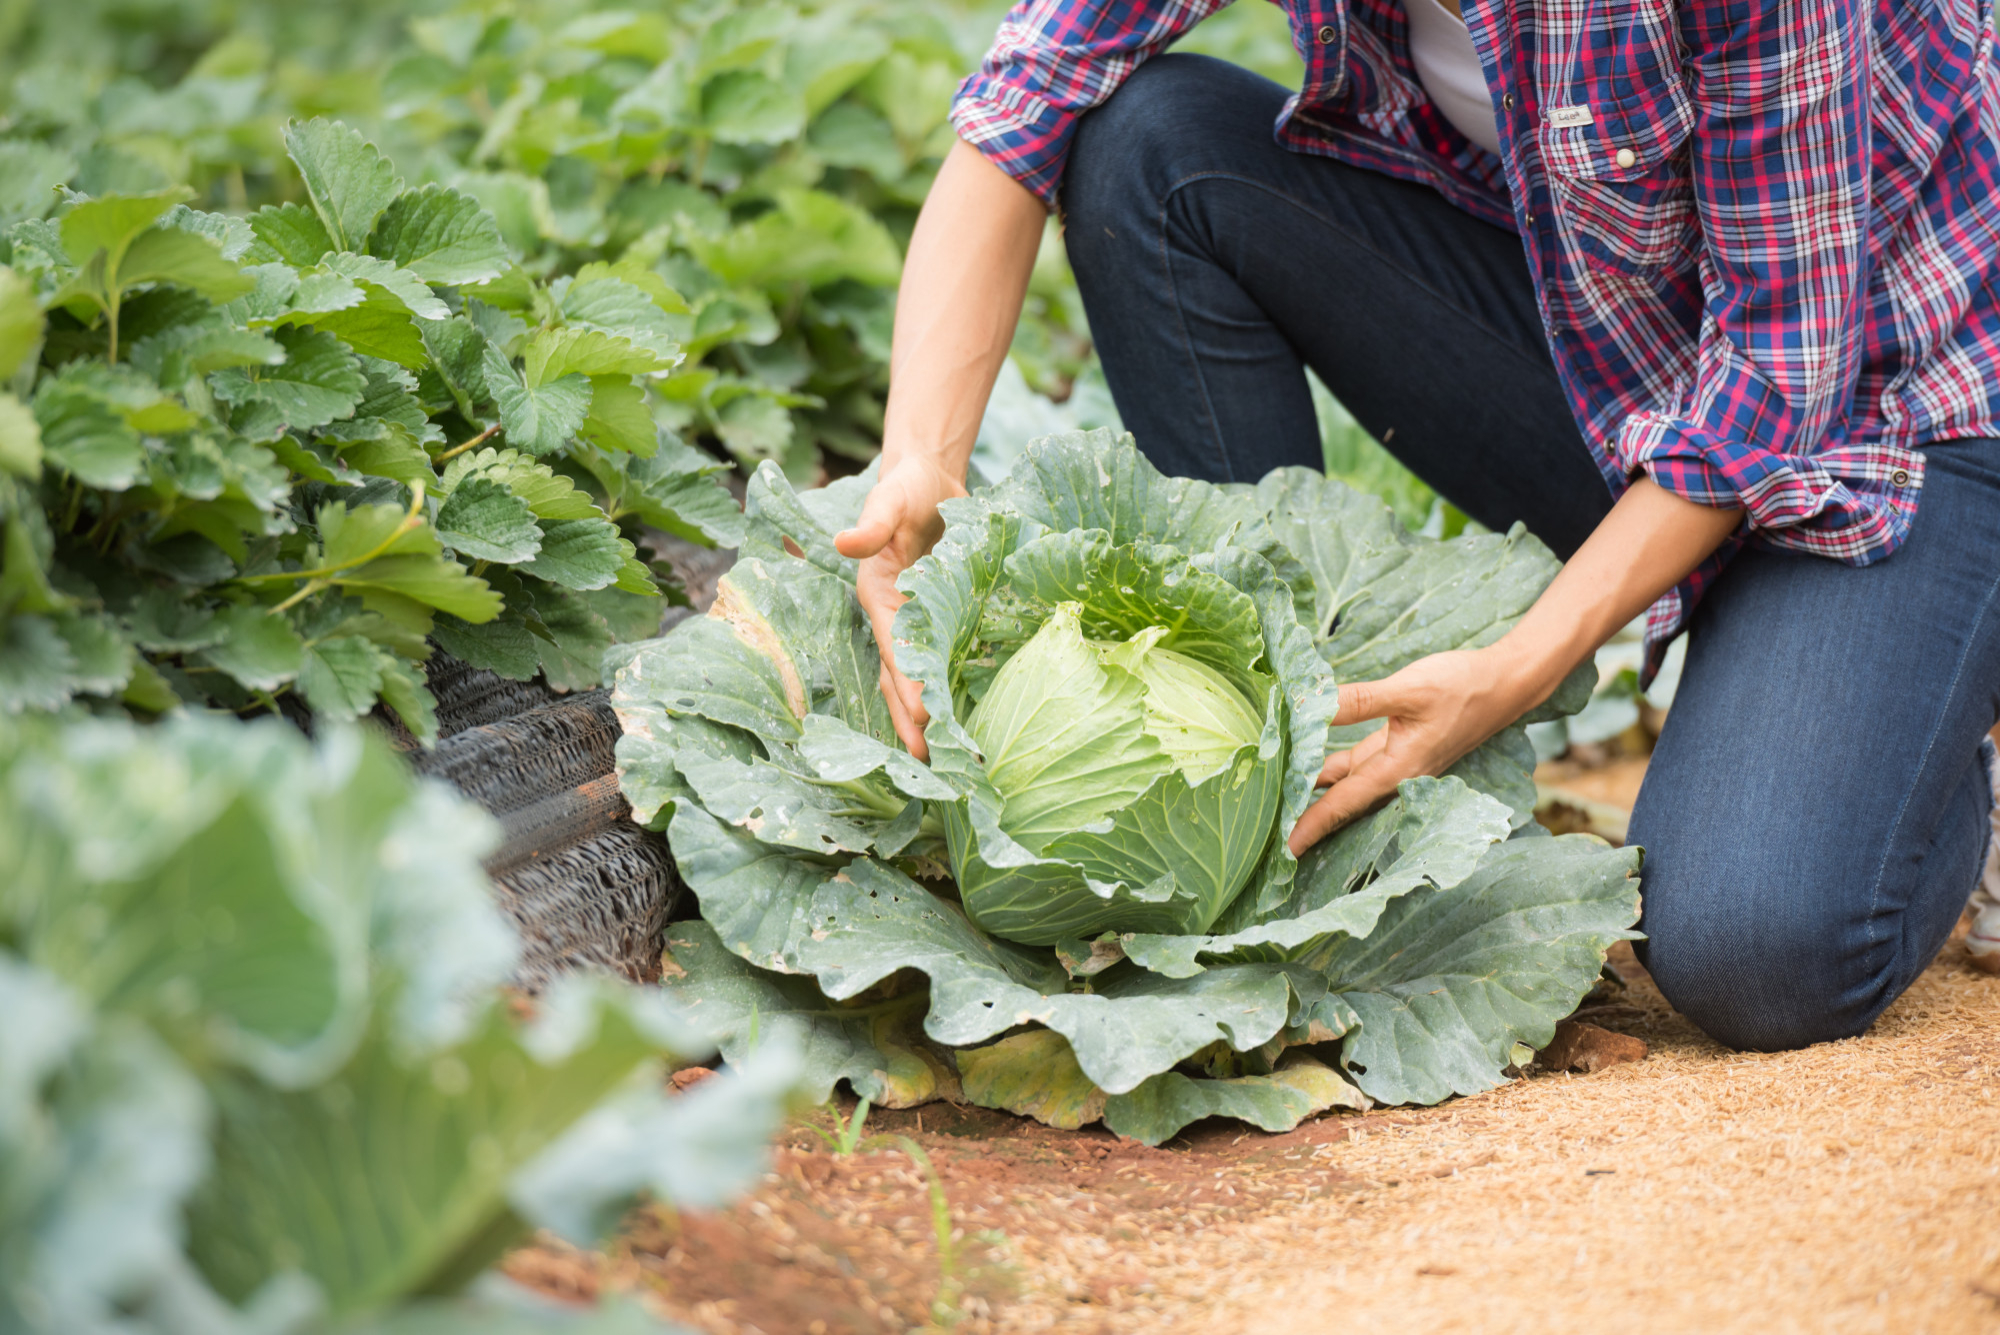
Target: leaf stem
{"points": [[474, 443], [325, 574]]}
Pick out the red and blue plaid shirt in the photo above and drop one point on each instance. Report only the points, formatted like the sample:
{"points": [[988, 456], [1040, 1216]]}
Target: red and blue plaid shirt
{"points": [[1763, 232]]}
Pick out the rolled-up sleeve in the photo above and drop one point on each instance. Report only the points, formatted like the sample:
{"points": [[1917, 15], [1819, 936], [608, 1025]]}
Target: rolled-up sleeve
{"points": [[1781, 177], [1051, 61]]}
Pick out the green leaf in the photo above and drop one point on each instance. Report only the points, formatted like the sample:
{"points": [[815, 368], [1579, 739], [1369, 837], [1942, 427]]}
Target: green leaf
{"points": [[98, 231], [619, 419], [405, 691], [1158, 1109], [811, 238], [20, 439], [348, 179], [579, 553], [164, 255], [573, 653], [555, 353], [878, 1050], [441, 236], [87, 438], [1450, 980], [290, 233], [262, 652], [36, 665], [408, 289], [435, 581], [745, 107], [29, 175], [20, 322], [1433, 835], [549, 494], [679, 490], [540, 419], [318, 382], [341, 677], [484, 520]]}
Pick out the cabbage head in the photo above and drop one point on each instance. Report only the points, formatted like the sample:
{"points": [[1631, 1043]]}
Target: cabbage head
{"points": [[1082, 906]]}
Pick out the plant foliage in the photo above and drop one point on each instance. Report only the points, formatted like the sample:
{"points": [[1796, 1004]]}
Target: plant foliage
{"points": [[250, 456], [258, 1076], [1165, 958]]}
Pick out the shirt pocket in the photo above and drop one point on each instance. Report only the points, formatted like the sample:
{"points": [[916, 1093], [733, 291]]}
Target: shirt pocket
{"points": [[1621, 187]]}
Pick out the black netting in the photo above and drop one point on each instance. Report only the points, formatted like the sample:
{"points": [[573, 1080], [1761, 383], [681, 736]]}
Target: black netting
{"points": [[602, 901], [585, 886]]}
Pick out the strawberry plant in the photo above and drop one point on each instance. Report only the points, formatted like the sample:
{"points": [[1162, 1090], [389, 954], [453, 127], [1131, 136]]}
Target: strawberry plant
{"points": [[248, 456]]}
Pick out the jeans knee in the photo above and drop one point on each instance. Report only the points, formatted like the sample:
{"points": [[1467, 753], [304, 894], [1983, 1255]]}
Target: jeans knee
{"points": [[1747, 1000], [1129, 150]]}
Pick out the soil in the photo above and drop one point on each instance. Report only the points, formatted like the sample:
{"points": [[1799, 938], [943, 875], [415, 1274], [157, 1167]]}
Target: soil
{"points": [[1853, 1186]]}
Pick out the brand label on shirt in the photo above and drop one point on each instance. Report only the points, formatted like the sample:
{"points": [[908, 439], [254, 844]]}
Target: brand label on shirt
{"points": [[1569, 117]]}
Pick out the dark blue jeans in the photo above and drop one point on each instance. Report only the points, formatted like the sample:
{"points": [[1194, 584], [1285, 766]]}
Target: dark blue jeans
{"points": [[1815, 814]]}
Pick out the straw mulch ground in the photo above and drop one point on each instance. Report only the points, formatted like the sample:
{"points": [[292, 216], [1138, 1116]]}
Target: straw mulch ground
{"points": [[1854, 1186]]}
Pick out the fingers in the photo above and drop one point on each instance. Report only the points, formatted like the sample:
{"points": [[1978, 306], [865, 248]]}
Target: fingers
{"points": [[906, 711], [881, 515], [1364, 700], [1369, 783], [1343, 763]]}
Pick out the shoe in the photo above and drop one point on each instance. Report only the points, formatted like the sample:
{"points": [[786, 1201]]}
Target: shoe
{"points": [[1983, 942]]}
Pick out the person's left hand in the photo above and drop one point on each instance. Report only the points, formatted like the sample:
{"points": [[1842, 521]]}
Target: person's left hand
{"points": [[1438, 708]]}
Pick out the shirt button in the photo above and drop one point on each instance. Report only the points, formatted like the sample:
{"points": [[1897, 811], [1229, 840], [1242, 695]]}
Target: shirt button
{"points": [[1507, 101], [1530, 217], [1325, 34], [1626, 157], [1901, 477]]}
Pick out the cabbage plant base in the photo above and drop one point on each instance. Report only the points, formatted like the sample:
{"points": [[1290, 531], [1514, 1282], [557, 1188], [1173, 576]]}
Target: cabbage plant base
{"points": [[868, 900]]}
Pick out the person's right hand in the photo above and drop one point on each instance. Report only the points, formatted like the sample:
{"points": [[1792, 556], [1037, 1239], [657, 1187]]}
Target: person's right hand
{"points": [[899, 522]]}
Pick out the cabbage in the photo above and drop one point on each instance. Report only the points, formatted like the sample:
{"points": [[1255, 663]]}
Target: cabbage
{"points": [[1083, 907]]}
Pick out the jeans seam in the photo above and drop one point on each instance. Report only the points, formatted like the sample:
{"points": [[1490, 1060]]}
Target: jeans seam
{"points": [[1930, 745], [1187, 339], [1472, 317]]}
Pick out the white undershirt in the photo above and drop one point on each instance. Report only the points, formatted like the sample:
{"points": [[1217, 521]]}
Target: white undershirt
{"points": [[1448, 68]]}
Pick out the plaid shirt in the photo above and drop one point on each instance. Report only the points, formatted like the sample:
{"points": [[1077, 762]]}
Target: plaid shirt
{"points": [[1762, 232]]}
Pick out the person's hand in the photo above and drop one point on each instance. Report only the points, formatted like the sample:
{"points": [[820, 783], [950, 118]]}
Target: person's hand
{"points": [[1438, 709], [899, 522]]}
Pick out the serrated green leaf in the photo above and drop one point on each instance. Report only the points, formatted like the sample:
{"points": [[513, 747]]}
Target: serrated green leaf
{"points": [[100, 230], [290, 233], [20, 439], [20, 322], [36, 665], [482, 519], [405, 691], [625, 309], [555, 353], [678, 490], [539, 419], [349, 181], [342, 676], [434, 581], [441, 236], [414, 294], [572, 653], [619, 419], [318, 382], [811, 237], [746, 107], [549, 494], [504, 645], [29, 175], [87, 438], [163, 255], [260, 651]]}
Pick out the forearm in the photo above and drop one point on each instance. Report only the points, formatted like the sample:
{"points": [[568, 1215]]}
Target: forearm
{"points": [[963, 281], [1646, 545]]}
